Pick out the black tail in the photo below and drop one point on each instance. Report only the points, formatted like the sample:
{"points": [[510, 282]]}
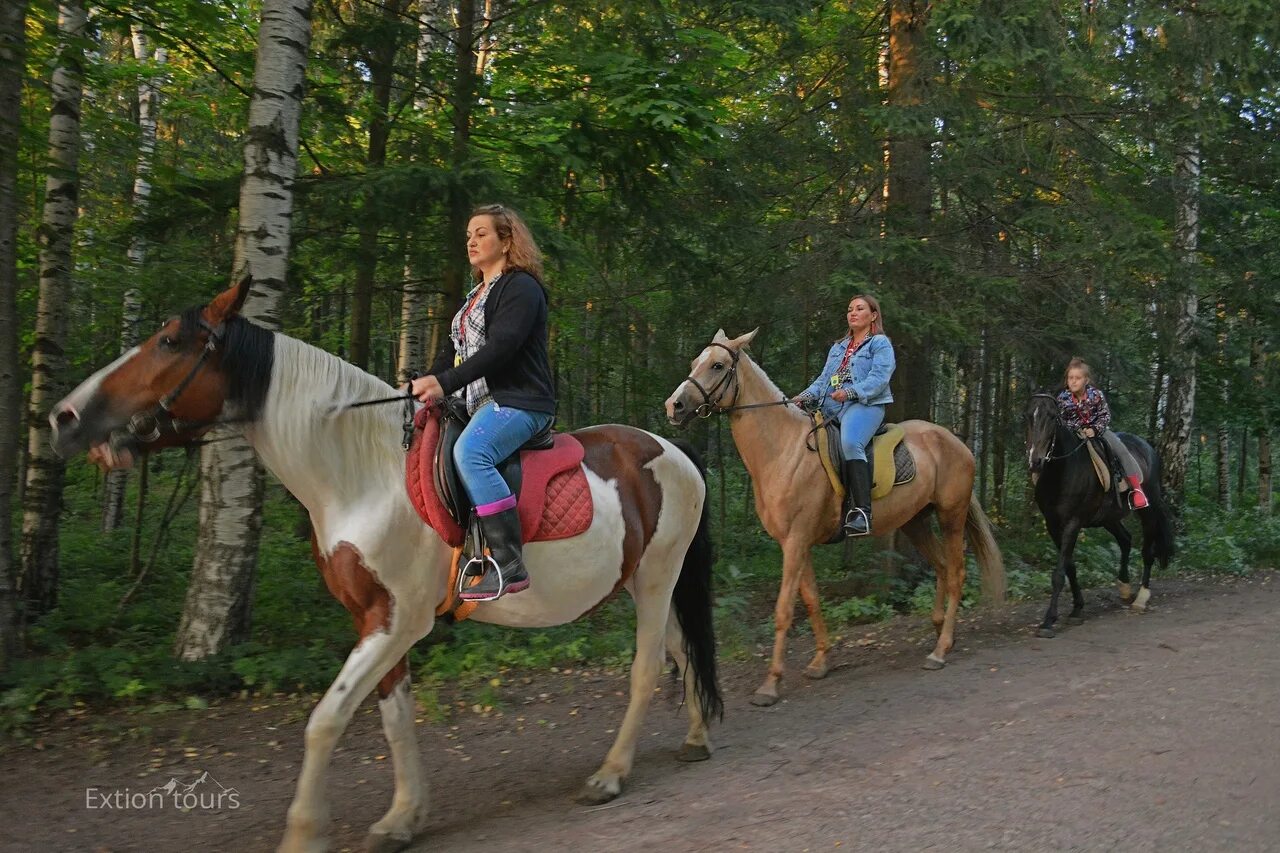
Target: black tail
{"points": [[693, 604], [1159, 534]]}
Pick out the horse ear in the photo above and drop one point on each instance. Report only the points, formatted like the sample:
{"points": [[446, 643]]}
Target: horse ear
{"points": [[747, 338], [228, 303], [720, 337]]}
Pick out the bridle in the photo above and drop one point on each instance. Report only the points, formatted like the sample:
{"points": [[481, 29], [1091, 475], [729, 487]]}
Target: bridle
{"points": [[1053, 440], [148, 426], [720, 388]]}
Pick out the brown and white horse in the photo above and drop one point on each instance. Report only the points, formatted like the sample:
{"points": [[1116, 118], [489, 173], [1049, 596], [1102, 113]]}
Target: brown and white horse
{"points": [[649, 532], [799, 509]]}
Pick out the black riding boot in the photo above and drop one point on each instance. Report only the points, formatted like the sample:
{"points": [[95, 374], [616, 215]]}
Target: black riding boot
{"points": [[502, 534], [857, 482]]}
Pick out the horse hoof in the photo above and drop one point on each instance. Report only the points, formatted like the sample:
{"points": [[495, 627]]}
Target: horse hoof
{"points": [[381, 842], [933, 664], [1124, 591], [816, 672], [763, 700], [1046, 633], [1075, 620], [595, 793], [1140, 601], [693, 752]]}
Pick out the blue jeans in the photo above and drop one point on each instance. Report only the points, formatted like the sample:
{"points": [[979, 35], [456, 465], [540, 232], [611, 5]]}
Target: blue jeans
{"points": [[494, 433], [857, 424]]}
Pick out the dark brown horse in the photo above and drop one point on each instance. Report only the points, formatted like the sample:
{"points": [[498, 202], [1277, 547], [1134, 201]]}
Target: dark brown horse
{"points": [[649, 531], [799, 509]]}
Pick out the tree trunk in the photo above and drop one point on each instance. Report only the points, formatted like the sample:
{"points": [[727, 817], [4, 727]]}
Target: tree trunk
{"points": [[457, 268], [42, 509], [1180, 361], [1264, 470], [131, 311], [13, 45], [218, 603], [908, 203], [416, 301], [999, 448], [381, 58]]}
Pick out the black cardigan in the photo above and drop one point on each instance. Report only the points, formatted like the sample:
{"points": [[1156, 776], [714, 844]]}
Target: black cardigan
{"points": [[514, 358]]}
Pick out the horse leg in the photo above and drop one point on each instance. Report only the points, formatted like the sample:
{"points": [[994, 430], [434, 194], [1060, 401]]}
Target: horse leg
{"points": [[950, 568], [653, 608], [926, 542], [697, 743], [375, 656], [1125, 540], [408, 813], [1148, 558], [1065, 538], [817, 667], [783, 612], [1077, 597]]}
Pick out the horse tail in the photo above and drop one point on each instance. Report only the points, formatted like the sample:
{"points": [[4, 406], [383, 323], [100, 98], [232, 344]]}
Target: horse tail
{"points": [[1161, 537], [693, 601], [985, 550]]}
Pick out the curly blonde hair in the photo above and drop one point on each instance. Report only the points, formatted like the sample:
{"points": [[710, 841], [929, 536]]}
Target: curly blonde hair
{"points": [[522, 252]]}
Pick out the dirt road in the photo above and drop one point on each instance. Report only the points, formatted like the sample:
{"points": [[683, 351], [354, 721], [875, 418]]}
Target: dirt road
{"points": [[1152, 732]]}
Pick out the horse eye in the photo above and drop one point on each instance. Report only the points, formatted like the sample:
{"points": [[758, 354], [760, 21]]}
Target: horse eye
{"points": [[168, 342], [717, 366]]}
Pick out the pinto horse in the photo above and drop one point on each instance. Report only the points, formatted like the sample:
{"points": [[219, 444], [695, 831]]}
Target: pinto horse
{"points": [[800, 511], [1071, 498], [649, 532]]}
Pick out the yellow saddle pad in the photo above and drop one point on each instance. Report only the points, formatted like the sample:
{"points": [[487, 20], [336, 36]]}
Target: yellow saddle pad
{"points": [[883, 447]]}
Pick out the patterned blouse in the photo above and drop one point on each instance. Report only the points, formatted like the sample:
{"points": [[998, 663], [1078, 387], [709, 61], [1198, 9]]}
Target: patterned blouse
{"points": [[468, 333], [1092, 411]]}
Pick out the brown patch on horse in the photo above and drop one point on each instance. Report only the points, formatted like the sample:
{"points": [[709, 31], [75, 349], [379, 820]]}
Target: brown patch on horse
{"points": [[366, 599], [621, 453]]}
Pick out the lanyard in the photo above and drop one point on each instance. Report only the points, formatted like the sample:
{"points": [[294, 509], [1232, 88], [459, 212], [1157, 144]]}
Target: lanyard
{"points": [[849, 351]]}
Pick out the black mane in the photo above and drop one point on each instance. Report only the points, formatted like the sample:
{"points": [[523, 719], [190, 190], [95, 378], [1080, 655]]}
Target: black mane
{"points": [[247, 355]]}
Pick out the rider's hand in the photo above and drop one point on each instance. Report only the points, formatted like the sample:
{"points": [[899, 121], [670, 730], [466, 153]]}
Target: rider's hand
{"points": [[840, 396], [1088, 431], [426, 389]]}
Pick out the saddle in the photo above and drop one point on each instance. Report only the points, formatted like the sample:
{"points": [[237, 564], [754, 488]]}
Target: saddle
{"points": [[554, 498], [888, 453], [1109, 469]]}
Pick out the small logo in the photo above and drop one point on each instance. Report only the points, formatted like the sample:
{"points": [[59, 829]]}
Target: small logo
{"points": [[204, 794]]}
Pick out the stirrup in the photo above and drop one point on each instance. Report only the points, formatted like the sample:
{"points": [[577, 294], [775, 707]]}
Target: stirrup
{"points": [[849, 520], [505, 585], [1130, 496]]}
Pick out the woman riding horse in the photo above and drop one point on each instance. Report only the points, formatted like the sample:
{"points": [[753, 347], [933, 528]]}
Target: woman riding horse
{"points": [[496, 359], [857, 374]]}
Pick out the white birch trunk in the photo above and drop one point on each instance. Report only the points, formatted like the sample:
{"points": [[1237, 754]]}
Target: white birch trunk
{"points": [[219, 598], [1175, 439], [42, 509], [131, 310], [12, 64]]}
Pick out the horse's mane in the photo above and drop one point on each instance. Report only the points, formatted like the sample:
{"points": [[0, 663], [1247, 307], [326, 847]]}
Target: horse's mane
{"points": [[248, 355]]}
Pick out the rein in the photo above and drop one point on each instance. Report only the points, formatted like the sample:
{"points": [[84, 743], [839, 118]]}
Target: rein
{"points": [[708, 406]]}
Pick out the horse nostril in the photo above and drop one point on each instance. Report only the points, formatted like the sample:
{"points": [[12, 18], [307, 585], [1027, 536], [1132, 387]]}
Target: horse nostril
{"points": [[677, 405], [66, 417]]}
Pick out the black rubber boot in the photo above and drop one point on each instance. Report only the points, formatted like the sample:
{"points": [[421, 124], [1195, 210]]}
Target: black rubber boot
{"points": [[857, 479], [506, 572]]}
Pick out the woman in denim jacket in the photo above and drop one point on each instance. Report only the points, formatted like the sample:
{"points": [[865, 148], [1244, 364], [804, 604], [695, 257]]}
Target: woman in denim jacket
{"points": [[854, 387]]}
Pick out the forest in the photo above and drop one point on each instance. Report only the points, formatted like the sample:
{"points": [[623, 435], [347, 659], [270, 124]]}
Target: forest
{"points": [[1017, 182]]}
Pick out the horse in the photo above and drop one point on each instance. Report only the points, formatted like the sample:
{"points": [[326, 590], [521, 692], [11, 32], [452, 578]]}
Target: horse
{"points": [[799, 511], [649, 532], [1071, 498]]}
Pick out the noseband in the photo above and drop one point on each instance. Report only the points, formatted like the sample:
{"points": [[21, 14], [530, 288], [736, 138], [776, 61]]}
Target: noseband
{"points": [[146, 427]]}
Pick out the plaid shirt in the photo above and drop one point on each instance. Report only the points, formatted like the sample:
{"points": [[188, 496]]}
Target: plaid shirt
{"points": [[1092, 411], [467, 340]]}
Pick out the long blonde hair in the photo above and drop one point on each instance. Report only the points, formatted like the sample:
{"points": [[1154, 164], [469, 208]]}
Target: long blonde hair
{"points": [[522, 252]]}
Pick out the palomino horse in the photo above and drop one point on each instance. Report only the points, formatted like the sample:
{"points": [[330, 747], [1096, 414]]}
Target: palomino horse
{"points": [[799, 509], [1071, 498], [388, 568]]}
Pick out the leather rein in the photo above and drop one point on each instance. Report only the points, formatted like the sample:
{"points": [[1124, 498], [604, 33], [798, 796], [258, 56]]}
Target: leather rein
{"points": [[720, 388]]}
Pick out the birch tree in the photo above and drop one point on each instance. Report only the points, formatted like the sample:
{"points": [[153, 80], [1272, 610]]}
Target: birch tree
{"points": [[131, 310], [42, 508], [219, 597]]}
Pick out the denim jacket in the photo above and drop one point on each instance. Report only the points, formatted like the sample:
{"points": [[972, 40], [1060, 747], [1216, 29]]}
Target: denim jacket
{"points": [[866, 377]]}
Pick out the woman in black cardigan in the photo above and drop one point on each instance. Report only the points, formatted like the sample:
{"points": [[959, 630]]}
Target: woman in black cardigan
{"points": [[497, 360]]}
